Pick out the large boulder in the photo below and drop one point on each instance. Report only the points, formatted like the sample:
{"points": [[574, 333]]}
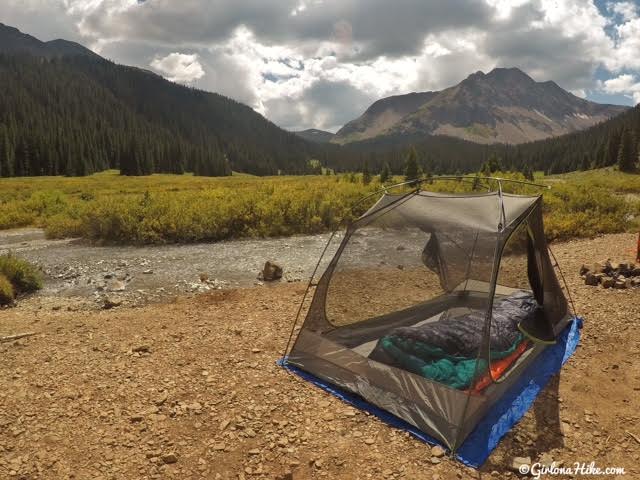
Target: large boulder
{"points": [[271, 271]]}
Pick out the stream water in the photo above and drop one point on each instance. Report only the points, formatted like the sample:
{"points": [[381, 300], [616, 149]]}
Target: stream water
{"points": [[77, 268]]}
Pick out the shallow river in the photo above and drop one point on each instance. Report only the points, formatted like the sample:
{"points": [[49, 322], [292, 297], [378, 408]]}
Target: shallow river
{"points": [[77, 268]]}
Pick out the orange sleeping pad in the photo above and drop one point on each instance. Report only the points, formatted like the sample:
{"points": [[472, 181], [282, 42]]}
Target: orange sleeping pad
{"points": [[498, 367]]}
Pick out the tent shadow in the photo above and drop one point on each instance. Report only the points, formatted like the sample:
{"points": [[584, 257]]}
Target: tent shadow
{"points": [[534, 435]]}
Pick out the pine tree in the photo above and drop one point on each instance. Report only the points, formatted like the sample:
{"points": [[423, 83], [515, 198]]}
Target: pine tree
{"points": [[366, 175], [6, 169], [613, 147], [476, 182], [586, 163], [411, 170], [527, 172], [626, 160], [493, 164], [385, 173]]}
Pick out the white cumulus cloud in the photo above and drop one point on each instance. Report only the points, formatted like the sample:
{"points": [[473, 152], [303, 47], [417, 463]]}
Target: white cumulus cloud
{"points": [[625, 84], [179, 67], [319, 63]]}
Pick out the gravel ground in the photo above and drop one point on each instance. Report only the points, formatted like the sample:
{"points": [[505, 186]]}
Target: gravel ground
{"points": [[189, 388]]}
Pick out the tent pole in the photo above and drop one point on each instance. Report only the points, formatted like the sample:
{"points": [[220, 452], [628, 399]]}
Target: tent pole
{"points": [[306, 293], [471, 177], [566, 286]]}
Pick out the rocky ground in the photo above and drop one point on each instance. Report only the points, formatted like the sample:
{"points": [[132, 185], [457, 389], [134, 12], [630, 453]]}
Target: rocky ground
{"points": [[189, 388]]}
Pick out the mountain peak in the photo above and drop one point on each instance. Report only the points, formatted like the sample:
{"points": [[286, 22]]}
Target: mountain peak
{"points": [[501, 74], [13, 41], [503, 106]]}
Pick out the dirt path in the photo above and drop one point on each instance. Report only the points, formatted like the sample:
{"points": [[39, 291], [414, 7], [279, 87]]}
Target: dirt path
{"points": [[190, 389]]}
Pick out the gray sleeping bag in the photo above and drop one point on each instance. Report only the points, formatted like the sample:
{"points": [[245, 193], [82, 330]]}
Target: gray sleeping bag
{"points": [[461, 335]]}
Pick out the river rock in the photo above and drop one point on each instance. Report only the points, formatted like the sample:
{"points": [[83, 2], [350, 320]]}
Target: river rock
{"points": [[271, 271]]}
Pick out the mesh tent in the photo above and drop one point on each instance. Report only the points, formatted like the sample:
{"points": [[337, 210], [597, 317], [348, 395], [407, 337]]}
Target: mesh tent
{"points": [[433, 306]]}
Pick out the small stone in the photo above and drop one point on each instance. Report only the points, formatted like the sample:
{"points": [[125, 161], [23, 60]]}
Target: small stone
{"points": [[607, 282], [111, 302], [169, 458], [590, 279], [437, 451], [148, 272], [369, 441], [162, 398], [117, 286], [435, 460], [282, 441], [141, 349], [218, 447], [546, 459], [620, 284], [136, 418], [254, 451], [518, 462]]}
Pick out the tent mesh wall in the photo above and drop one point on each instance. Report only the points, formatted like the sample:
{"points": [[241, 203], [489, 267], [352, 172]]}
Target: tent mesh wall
{"points": [[424, 258]]}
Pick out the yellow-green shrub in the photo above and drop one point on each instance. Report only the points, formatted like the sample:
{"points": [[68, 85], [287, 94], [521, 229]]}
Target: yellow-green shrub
{"points": [[24, 276], [183, 208], [6, 291]]}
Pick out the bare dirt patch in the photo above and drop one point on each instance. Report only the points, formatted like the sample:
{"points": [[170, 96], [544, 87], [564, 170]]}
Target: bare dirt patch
{"points": [[190, 389]]}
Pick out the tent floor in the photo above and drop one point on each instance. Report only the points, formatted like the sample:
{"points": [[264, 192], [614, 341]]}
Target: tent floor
{"points": [[502, 416]]}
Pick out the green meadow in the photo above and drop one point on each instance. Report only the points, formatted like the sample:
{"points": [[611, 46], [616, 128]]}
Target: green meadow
{"points": [[107, 207]]}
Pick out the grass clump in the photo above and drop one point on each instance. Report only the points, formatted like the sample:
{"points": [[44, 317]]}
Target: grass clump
{"points": [[7, 294], [22, 275]]}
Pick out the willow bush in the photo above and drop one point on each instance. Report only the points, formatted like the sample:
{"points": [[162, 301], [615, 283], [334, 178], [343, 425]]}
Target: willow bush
{"points": [[168, 208]]}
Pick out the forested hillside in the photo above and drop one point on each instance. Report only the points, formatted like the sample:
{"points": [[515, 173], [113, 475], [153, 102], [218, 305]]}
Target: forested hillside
{"points": [[78, 115], [615, 141]]}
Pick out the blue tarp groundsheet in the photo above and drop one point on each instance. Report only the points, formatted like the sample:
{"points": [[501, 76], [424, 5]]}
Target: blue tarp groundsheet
{"points": [[499, 419]]}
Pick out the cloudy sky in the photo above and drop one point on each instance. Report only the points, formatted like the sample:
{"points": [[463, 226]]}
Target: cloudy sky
{"points": [[320, 63]]}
